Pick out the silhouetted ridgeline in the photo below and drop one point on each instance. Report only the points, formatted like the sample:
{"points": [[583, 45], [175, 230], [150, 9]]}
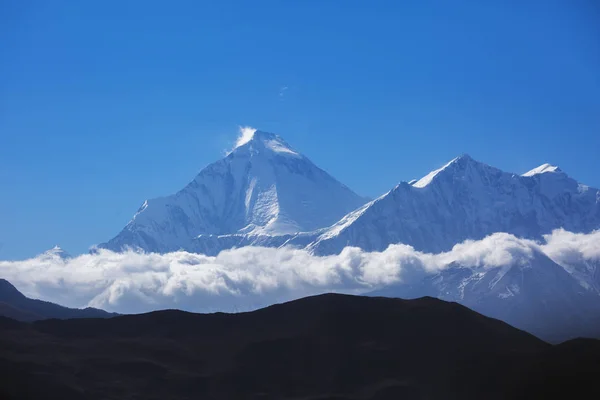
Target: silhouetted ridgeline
{"points": [[322, 347]]}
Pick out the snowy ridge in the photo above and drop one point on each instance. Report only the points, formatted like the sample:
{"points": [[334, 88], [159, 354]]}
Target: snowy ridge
{"points": [[426, 180], [542, 169], [466, 199]]}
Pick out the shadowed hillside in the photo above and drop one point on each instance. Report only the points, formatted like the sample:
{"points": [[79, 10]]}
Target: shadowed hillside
{"points": [[15, 305], [328, 346]]}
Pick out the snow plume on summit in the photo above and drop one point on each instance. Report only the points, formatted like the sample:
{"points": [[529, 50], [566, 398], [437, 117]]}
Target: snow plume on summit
{"points": [[246, 134], [252, 277]]}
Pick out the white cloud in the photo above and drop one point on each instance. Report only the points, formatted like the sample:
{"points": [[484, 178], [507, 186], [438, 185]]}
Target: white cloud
{"points": [[578, 253], [493, 251], [565, 247], [252, 277]]}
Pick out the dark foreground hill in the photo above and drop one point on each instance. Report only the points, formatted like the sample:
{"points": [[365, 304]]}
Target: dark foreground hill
{"points": [[15, 305], [322, 347]]}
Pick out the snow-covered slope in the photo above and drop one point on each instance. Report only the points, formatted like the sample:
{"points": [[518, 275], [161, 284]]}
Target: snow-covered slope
{"points": [[466, 199], [532, 293], [263, 188]]}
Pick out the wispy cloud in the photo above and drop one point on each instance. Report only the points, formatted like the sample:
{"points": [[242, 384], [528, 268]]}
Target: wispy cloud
{"points": [[282, 91], [252, 277]]}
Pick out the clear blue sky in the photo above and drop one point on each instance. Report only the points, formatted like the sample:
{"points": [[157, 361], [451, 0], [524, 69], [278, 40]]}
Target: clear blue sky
{"points": [[104, 104]]}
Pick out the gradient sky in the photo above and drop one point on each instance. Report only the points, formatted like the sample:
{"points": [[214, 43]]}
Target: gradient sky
{"points": [[105, 104]]}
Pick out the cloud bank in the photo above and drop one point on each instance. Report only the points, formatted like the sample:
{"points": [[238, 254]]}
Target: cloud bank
{"points": [[253, 277]]}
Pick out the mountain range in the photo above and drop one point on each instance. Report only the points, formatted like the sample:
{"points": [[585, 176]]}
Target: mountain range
{"points": [[466, 199], [265, 193]]}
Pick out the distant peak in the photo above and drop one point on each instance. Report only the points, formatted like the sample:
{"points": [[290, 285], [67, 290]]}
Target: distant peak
{"points": [[56, 252], [542, 169]]}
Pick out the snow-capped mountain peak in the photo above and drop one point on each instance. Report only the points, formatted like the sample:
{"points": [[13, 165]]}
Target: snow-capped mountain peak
{"points": [[542, 169], [262, 187], [463, 168]]}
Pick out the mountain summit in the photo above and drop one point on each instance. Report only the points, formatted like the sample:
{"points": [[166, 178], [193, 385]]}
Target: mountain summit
{"points": [[542, 169], [259, 142], [262, 187]]}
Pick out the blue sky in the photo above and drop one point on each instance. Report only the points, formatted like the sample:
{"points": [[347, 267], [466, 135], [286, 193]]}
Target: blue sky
{"points": [[105, 104]]}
